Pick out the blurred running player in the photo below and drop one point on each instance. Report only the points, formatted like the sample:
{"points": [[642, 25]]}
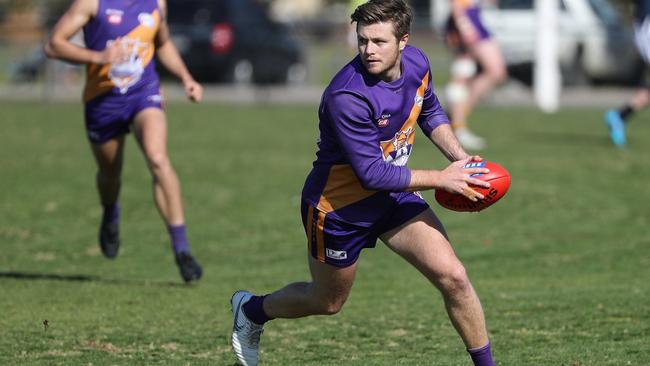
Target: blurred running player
{"points": [[122, 94], [472, 44], [616, 120], [360, 189]]}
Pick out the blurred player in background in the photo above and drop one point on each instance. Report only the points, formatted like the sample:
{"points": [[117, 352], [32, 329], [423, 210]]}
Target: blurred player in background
{"points": [[616, 120], [472, 44], [360, 189], [122, 94]]}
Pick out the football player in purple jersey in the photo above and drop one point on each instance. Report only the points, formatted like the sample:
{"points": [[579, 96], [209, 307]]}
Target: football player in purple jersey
{"points": [[122, 94], [360, 188], [472, 44]]}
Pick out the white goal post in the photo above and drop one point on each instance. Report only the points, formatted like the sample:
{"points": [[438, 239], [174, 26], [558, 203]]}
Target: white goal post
{"points": [[546, 78]]}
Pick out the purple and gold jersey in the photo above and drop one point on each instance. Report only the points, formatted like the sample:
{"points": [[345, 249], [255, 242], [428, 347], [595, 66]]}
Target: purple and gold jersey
{"points": [[367, 128], [135, 23], [472, 11], [467, 4]]}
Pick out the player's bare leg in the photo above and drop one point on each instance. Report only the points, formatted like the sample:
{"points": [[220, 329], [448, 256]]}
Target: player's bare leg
{"points": [[109, 157], [616, 119], [640, 100], [422, 242], [151, 133], [324, 295], [493, 72], [463, 69], [493, 67]]}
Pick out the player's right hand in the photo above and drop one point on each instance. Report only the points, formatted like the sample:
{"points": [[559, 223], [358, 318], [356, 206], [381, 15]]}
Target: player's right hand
{"points": [[114, 53], [457, 179], [193, 90]]}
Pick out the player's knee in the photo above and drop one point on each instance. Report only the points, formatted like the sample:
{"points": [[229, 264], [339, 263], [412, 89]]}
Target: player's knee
{"points": [[329, 304], [158, 161], [498, 74], [109, 173], [332, 307], [455, 281]]}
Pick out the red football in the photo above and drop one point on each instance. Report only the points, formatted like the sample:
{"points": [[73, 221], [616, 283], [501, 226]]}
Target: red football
{"points": [[499, 179]]}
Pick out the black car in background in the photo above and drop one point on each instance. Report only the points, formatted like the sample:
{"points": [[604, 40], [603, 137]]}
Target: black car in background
{"points": [[234, 41]]}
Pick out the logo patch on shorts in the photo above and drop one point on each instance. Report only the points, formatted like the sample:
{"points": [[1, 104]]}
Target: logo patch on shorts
{"points": [[94, 136], [336, 254]]}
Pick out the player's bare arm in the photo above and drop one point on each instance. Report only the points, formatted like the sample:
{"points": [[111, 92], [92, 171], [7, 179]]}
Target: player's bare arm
{"points": [[444, 138], [59, 45], [455, 178], [171, 59]]}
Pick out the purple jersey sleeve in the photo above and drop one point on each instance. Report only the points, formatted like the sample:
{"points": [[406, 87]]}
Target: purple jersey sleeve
{"points": [[359, 138], [432, 114]]}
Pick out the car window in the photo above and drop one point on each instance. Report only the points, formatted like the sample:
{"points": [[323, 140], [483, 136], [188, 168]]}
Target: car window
{"points": [[516, 4]]}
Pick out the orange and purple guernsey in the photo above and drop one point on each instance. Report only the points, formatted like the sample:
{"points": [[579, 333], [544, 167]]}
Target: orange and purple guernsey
{"points": [[116, 92], [135, 23], [367, 129], [472, 10]]}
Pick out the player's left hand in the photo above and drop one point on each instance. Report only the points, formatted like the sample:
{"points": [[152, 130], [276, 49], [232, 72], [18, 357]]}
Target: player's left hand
{"points": [[475, 158], [193, 90]]}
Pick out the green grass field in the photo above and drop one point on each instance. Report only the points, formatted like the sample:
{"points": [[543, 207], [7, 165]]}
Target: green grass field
{"points": [[562, 263]]}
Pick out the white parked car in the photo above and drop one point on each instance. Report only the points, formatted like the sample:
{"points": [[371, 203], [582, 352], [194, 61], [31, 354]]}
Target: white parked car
{"points": [[594, 44]]}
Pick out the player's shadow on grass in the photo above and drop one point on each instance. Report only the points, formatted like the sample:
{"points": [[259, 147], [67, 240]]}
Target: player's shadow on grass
{"points": [[86, 278]]}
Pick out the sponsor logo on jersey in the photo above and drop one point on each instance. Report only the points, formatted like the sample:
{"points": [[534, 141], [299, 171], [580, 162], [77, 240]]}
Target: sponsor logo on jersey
{"points": [[146, 20], [114, 16], [336, 254], [383, 121], [418, 100]]}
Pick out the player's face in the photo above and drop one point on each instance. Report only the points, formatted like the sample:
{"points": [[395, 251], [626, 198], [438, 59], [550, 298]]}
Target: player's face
{"points": [[380, 50]]}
